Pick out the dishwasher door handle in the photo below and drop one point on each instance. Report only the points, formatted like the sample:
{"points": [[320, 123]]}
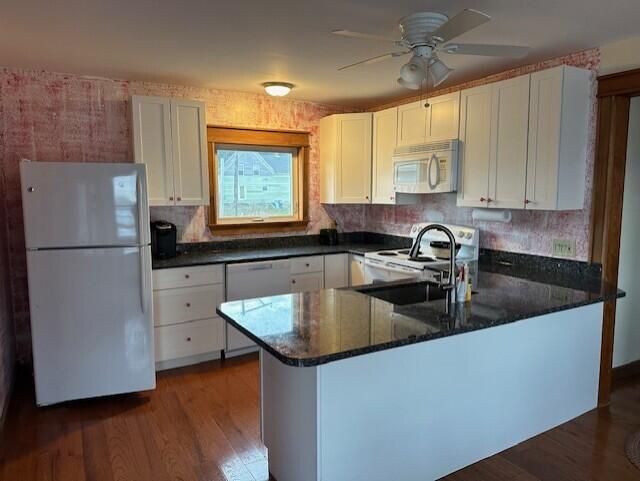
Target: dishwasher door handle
{"points": [[262, 267]]}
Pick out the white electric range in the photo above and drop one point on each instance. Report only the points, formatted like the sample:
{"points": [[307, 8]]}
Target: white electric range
{"points": [[395, 264]]}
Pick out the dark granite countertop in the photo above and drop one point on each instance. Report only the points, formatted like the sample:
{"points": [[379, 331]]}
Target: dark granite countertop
{"points": [[312, 328], [249, 254]]}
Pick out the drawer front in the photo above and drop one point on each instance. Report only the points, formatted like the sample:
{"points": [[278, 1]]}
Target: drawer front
{"points": [[302, 265], [189, 339], [172, 306], [188, 276]]}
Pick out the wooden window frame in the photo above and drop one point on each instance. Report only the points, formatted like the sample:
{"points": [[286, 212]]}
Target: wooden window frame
{"points": [[259, 137], [614, 98]]}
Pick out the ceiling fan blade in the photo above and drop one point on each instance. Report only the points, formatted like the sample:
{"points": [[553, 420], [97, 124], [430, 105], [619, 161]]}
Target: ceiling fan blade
{"points": [[466, 20], [349, 33], [376, 59], [507, 51]]}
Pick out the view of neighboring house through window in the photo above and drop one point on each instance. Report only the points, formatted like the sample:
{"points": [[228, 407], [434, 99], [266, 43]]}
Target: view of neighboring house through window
{"points": [[256, 183]]}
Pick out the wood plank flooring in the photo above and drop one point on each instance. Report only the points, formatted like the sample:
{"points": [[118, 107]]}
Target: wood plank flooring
{"points": [[202, 423]]}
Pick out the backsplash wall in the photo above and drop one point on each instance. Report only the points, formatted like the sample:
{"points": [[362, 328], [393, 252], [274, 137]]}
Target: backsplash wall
{"points": [[529, 232], [47, 116]]}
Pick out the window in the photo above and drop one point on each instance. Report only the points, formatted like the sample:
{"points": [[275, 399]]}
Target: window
{"points": [[258, 180]]}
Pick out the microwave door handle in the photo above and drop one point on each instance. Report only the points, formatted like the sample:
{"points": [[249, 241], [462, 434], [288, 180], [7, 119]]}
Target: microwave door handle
{"points": [[433, 159]]}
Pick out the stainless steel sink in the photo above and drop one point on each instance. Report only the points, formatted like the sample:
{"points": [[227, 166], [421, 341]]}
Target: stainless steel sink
{"points": [[404, 294]]}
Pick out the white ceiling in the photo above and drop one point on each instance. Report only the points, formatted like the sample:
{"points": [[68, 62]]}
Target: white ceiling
{"points": [[239, 44]]}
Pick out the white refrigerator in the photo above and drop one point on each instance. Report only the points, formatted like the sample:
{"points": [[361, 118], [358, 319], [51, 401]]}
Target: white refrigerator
{"points": [[89, 270]]}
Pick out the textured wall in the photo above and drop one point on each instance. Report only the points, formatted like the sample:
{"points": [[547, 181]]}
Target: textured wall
{"points": [[529, 232], [54, 117], [7, 354]]}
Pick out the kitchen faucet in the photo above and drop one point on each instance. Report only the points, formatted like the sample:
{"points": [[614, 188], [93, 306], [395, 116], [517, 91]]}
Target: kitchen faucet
{"points": [[414, 253]]}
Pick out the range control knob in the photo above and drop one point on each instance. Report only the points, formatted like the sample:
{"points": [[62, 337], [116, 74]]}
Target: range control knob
{"points": [[461, 234], [469, 235]]}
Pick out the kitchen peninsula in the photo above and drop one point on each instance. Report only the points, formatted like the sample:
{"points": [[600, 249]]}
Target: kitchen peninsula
{"points": [[371, 384]]}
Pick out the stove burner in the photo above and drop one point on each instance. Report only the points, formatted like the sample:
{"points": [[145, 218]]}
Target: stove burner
{"points": [[390, 254]]}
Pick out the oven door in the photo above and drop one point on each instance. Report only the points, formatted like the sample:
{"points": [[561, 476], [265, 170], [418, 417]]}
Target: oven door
{"points": [[376, 271]]}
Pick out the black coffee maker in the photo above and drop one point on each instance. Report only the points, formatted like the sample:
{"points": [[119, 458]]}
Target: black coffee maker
{"points": [[163, 239]]}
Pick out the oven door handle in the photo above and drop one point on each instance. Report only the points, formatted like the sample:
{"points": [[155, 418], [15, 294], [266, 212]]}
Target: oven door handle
{"points": [[387, 267]]}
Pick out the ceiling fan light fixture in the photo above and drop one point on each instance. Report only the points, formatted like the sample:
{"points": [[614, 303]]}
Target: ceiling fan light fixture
{"points": [[409, 85], [438, 71], [277, 89], [413, 72]]}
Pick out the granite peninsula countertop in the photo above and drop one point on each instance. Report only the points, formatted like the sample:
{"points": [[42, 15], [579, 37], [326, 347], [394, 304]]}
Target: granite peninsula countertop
{"points": [[198, 257], [313, 328]]}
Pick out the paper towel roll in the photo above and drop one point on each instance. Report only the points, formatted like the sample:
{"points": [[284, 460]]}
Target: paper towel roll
{"points": [[491, 215]]}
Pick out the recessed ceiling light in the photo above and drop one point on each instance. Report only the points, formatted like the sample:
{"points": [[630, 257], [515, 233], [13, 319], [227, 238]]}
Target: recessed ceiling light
{"points": [[277, 89]]}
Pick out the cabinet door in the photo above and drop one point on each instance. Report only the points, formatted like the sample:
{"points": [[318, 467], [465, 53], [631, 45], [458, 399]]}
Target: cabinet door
{"points": [[336, 271], [152, 146], [545, 111], [356, 271], [353, 159], [412, 123], [385, 128], [190, 159], [509, 131], [475, 146], [313, 281], [443, 117]]}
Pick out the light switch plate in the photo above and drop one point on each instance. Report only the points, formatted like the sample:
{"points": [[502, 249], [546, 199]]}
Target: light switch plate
{"points": [[564, 247]]}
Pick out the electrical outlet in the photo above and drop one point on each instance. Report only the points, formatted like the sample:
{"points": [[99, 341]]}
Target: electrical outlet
{"points": [[564, 247]]}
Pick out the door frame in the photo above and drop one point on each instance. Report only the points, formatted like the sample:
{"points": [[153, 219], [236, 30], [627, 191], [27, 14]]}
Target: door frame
{"points": [[614, 98]]}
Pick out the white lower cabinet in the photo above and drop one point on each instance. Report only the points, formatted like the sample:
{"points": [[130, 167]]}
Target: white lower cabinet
{"points": [[187, 329], [311, 281], [336, 271], [356, 270]]}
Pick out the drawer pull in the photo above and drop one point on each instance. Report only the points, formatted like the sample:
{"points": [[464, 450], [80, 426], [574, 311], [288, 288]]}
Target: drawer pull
{"points": [[186, 276], [188, 304], [293, 281], [307, 264], [188, 339]]}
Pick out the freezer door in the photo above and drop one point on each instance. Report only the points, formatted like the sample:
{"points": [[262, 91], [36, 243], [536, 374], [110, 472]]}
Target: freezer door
{"points": [[68, 204], [91, 322]]}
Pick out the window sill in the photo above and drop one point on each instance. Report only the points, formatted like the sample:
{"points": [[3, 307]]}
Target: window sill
{"points": [[258, 228]]}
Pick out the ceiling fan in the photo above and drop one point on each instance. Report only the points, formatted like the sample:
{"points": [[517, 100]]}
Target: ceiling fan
{"points": [[424, 35]]}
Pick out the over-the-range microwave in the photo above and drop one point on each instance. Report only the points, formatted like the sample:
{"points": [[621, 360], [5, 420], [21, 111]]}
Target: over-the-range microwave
{"points": [[426, 168]]}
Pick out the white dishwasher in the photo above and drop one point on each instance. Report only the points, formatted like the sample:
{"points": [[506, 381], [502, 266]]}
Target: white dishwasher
{"points": [[247, 280]]}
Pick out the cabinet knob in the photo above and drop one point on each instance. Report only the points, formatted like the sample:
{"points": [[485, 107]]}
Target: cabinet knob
{"points": [[186, 276], [31, 189], [489, 199], [391, 197], [307, 264], [178, 198], [527, 201], [188, 304], [188, 339], [170, 198], [482, 199], [293, 281]]}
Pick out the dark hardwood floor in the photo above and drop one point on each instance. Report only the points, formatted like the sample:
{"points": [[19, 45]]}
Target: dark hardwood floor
{"points": [[202, 423]]}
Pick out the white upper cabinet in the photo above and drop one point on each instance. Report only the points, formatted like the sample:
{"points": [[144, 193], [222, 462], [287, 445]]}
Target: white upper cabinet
{"points": [[558, 131], [385, 128], [443, 117], [523, 141], [412, 123], [345, 159], [418, 124], [509, 129], [169, 136], [475, 146]]}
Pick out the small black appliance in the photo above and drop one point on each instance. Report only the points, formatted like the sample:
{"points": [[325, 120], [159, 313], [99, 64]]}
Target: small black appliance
{"points": [[163, 239], [329, 237]]}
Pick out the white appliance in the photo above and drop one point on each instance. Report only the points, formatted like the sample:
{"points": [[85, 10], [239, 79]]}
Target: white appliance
{"points": [[249, 280], [89, 268], [391, 265], [426, 168]]}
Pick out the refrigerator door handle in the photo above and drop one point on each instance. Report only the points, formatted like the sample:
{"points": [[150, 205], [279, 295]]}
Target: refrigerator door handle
{"points": [[143, 221], [143, 280]]}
